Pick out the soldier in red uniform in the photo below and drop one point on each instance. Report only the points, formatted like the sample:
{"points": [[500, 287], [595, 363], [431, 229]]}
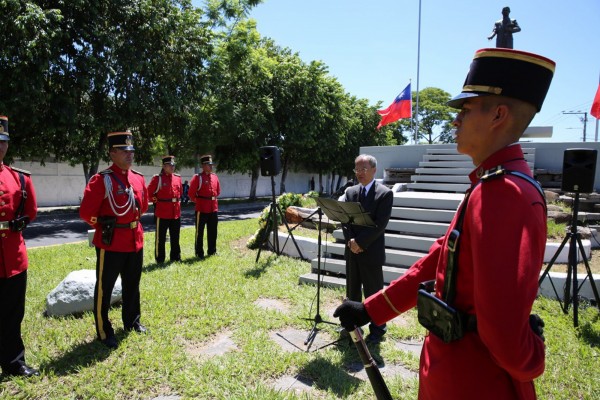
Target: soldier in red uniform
{"points": [[18, 207], [166, 190], [204, 190], [113, 202], [478, 282]]}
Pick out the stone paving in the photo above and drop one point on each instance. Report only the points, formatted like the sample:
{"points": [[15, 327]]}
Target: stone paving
{"points": [[293, 340]]}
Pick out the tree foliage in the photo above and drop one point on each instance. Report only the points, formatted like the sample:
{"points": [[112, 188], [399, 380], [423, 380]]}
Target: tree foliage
{"points": [[187, 81]]}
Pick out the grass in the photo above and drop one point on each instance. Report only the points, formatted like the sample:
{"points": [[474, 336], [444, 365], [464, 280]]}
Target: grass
{"points": [[186, 305]]}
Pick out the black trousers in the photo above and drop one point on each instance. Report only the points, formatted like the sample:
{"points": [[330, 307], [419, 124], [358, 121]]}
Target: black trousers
{"points": [[363, 278], [12, 311], [173, 226], [109, 264], [210, 220]]}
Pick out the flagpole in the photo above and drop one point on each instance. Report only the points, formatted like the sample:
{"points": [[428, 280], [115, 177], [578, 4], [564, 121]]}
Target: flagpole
{"points": [[411, 120], [596, 135], [418, 67]]}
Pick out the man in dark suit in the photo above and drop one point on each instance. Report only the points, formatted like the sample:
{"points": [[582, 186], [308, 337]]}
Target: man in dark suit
{"points": [[365, 246]]}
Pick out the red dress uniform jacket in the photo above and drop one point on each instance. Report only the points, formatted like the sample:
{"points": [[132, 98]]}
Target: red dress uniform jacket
{"points": [[205, 193], [166, 197], [500, 257], [96, 203], [13, 257]]}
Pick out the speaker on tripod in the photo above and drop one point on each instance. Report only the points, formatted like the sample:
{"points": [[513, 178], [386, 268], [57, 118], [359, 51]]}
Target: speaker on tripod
{"points": [[270, 165], [579, 171], [270, 161]]}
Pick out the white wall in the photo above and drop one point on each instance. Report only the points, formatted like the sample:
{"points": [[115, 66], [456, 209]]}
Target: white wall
{"points": [[61, 185]]}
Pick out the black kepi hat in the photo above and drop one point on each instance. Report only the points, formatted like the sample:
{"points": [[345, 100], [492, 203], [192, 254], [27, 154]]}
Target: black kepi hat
{"points": [[4, 128], [120, 140], [206, 159], [507, 72], [170, 160]]}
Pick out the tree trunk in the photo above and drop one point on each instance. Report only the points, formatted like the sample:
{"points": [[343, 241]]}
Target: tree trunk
{"points": [[284, 172], [254, 182], [320, 183], [332, 183], [90, 170], [339, 182]]}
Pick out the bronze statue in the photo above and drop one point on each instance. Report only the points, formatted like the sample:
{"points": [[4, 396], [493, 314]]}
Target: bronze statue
{"points": [[504, 29]]}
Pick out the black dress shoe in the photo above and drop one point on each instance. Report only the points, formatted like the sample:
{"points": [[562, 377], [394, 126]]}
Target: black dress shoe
{"points": [[21, 369], [373, 339], [110, 342], [139, 328]]}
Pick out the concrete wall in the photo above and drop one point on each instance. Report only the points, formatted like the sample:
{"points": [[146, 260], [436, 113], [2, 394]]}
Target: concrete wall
{"points": [[547, 155], [62, 185]]}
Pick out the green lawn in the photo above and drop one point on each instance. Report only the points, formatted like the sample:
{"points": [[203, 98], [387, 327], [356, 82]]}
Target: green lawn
{"points": [[186, 305]]}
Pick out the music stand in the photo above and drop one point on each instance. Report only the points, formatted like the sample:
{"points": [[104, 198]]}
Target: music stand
{"points": [[346, 213]]}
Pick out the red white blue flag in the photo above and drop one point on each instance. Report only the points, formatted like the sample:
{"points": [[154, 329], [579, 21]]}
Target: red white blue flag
{"points": [[596, 105], [400, 108]]}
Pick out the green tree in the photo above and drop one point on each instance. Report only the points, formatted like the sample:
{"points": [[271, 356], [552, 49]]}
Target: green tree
{"points": [[97, 67], [243, 116]]}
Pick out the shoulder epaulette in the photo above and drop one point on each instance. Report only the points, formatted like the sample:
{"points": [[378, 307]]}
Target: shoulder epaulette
{"points": [[501, 171], [136, 172], [155, 175], [176, 174], [106, 171], [23, 171]]}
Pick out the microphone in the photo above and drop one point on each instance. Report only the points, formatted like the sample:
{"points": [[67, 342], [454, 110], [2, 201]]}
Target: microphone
{"points": [[341, 190]]}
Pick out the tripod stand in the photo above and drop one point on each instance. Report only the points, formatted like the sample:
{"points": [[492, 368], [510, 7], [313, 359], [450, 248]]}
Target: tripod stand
{"points": [[317, 318], [346, 213], [574, 238], [272, 226]]}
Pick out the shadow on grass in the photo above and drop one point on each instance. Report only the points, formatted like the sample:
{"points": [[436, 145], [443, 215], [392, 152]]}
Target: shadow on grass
{"points": [[588, 332], [339, 379], [80, 356], [327, 376], [185, 261], [260, 267]]}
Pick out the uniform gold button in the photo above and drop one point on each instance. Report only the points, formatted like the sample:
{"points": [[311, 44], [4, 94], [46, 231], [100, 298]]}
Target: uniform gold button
{"points": [[1, 192], [4, 235], [2, 214], [2, 203]]}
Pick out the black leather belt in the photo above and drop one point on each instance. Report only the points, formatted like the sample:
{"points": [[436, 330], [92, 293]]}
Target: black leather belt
{"points": [[207, 197], [131, 225], [173, 200]]}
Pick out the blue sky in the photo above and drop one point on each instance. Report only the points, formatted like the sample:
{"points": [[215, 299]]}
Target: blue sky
{"points": [[371, 46]]}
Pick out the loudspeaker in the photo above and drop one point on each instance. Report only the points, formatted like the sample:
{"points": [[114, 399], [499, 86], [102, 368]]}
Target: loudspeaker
{"points": [[579, 170], [270, 160]]}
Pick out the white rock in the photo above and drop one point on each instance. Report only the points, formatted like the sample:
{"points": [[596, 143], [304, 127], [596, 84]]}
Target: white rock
{"points": [[75, 294]]}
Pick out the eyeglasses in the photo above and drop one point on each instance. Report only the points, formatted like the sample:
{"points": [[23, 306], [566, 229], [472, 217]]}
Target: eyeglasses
{"points": [[360, 170]]}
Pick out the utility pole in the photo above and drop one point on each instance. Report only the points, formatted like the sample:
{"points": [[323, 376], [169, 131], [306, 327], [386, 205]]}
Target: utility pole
{"points": [[584, 119]]}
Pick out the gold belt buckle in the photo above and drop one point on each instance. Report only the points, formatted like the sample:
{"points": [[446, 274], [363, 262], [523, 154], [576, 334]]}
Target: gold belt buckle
{"points": [[133, 224], [213, 198], [174, 199], [4, 225]]}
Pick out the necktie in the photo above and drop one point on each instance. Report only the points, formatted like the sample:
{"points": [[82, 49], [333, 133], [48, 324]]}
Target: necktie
{"points": [[363, 194]]}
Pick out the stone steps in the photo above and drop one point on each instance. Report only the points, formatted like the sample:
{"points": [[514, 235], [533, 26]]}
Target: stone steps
{"points": [[419, 217]]}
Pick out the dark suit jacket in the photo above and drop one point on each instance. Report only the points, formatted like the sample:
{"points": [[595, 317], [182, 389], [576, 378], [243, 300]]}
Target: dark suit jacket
{"points": [[378, 203]]}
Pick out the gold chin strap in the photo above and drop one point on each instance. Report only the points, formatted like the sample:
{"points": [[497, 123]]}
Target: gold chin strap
{"points": [[481, 88]]}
